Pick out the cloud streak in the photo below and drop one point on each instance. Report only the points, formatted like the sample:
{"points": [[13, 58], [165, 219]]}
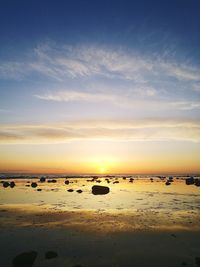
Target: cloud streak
{"points": [[60, 62], [124, 130], [131, 100]]}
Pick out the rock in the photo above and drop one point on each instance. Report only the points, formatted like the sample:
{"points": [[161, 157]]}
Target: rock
{"points": [[115, 182], [42, 179], [39, 189], [12, 184], [70, 190], [66, 182], [34, 185], [168, 182], [6, 184], [100, 190], [25, 259], [79, 191], [50, 255], [189, 181], [197, 261], [197, 182]]}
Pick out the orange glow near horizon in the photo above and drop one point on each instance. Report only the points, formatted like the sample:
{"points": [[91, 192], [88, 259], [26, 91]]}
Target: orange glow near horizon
{"points": [[101, 158]]}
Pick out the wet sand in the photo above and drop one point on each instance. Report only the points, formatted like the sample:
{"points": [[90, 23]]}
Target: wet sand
{"points": [[142, 223]]}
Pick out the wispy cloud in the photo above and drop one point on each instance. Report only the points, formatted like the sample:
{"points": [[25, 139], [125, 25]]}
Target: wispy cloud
{"points": [[60, 62], [124, 130], [130, 100]]}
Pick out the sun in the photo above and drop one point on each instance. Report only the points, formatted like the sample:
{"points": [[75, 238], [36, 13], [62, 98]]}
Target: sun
{"points": [[102, 170]]}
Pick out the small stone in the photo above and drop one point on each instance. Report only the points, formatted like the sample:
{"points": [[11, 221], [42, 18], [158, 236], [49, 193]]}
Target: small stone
{"points": [[79, 191], [6, 184], [25, 259], [34, 185], [70, 190]]}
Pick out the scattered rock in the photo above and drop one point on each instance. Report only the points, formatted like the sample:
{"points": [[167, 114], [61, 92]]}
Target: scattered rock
{"points": [[6, 184], [79, 191], [50, 255], [39, 189], [34, 185], [42, 179], [25, 259], [197, 182], [189, 181], [168, 183], [70, 190], [100, 190], [12, 184], [66, 182], [115, 182]]}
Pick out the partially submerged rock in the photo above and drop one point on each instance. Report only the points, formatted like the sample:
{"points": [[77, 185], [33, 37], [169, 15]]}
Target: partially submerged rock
{"points": [[66, 182], [79, 191], [189, 181], [34, 185], [12, 184], [70, 190], [6, 184], [25, 259], [100, 190], [42, 179], [168, 182]]}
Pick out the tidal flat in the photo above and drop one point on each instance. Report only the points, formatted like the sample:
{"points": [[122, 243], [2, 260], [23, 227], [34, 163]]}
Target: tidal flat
{"points": [[140, 221]]}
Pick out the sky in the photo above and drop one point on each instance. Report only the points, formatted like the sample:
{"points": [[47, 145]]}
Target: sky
{"points": [[100, 86]]}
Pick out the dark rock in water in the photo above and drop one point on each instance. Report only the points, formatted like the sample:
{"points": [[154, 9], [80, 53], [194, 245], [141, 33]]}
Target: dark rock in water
{"points": [[189, 181], [28, 185], [50, 255], [25, 259], [197, 182], [12, 184], [79, 191], [197, 261], [39, 189], [66, 182], [34, 185], [168, 183], [100, 190], [52, 181], [115, 182], [70, 190], [6, 184], [42, 179]]}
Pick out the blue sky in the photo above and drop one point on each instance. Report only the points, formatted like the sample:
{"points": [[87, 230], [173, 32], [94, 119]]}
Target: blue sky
{"points": [[73, 71]]}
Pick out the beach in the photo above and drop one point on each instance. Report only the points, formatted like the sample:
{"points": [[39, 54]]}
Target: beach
{"points": [[140, 222]]}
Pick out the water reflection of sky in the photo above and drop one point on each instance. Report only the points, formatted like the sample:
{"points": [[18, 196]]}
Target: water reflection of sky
{"points": [[142, 194]]}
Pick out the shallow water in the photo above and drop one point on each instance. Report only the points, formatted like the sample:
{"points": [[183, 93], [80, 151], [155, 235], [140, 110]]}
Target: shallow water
{"points": [[141, 204]]}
